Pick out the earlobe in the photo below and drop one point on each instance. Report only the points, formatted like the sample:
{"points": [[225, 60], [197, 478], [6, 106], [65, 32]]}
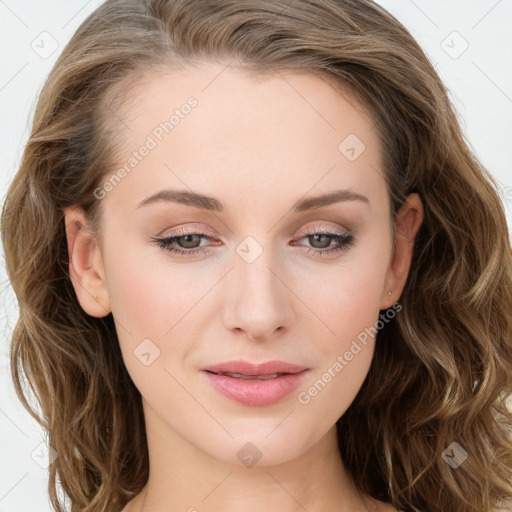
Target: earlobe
{"points": [[407, 224], [86, 265]]}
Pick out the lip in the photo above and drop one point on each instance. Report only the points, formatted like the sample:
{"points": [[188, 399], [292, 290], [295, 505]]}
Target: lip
{"points": [[247, 368], [255, 392]]}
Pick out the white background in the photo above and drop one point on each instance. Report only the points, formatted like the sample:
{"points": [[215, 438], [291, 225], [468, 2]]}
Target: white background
{"points": [[480, 81]]}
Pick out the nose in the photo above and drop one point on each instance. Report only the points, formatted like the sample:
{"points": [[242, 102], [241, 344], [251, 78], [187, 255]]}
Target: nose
{"points": [[259, 302]]}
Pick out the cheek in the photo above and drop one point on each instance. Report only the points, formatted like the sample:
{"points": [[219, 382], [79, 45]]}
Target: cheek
{"points": [[348, 297], [146, 307], [349, 306], [148, 294], [350, 301], [152, 306]]}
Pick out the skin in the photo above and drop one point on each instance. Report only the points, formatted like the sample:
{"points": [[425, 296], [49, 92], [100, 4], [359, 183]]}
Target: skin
{"points": [[258, 145]]}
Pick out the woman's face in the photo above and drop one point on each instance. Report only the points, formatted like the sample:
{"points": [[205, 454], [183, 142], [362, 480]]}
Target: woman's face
{"points": [[261, 272]]}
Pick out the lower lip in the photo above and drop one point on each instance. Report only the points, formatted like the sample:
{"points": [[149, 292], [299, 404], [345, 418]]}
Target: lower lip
{"points": [[256, 392]]}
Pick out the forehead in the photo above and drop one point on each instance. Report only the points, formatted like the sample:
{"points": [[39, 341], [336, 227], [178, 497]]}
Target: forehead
{"points": [[217, 130]]}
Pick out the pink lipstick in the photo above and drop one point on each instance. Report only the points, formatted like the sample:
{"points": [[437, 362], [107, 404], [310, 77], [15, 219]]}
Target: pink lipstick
{"points": [[255, 384]]}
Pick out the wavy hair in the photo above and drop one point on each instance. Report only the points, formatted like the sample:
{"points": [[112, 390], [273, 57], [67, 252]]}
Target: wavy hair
{"points": [[442, 369]]}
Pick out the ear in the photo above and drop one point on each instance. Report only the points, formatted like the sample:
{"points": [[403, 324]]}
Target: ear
{"points": [[86, 265], [407, 223]]}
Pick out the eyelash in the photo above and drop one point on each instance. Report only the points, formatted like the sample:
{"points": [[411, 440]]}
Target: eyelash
{"points": [[345, 242]]}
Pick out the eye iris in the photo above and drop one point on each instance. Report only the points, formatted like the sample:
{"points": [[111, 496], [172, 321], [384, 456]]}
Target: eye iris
{"points": [[188, 241], [327, 240]]}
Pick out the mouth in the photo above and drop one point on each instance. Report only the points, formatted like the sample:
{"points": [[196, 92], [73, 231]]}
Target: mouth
{"points": [[255, 384], [250, 377], [243, 369]]}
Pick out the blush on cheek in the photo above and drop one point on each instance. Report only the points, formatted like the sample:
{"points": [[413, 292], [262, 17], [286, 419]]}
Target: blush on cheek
{"points": [[351, 305], [147, 299]]}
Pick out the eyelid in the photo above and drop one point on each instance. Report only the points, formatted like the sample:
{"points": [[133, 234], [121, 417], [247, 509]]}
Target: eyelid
{"points": [[192, 229], [196, 227], [187, 230], [312, 230]]}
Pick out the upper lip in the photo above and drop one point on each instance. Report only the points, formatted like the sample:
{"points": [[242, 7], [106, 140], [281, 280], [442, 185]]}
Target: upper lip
{"points": [[247, 368]]}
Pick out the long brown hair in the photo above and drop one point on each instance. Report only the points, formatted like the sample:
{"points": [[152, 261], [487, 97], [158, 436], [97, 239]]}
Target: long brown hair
{"points": [[442, 369]]}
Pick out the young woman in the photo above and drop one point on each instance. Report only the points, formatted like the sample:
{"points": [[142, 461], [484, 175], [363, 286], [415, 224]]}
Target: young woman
{"points": [[258, 266]]}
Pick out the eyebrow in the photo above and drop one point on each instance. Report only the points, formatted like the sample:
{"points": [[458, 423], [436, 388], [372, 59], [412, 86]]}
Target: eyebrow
{"points": [[210, 203]]}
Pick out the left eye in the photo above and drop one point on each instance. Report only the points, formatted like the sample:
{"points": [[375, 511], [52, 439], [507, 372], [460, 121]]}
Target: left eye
{"points": [[344, 242], [187, 244], [186, 241]]}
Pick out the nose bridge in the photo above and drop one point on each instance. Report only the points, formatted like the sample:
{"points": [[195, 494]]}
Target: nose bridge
{"points": [[258, 299]]}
